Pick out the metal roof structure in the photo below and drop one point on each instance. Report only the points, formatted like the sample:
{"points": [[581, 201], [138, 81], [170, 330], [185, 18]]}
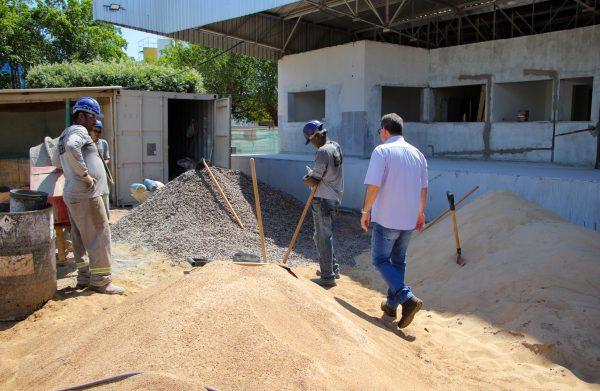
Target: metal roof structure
{"points": [[270, 29]]}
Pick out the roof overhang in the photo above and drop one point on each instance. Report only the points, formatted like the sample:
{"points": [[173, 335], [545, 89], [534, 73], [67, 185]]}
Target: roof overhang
{"points": [[272, 28]]}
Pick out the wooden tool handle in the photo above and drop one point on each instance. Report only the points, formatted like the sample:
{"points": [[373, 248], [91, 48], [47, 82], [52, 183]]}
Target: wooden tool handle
{"points": [[444, 213], [212, 177], [299, 226], [455, 225], [258, 211]]}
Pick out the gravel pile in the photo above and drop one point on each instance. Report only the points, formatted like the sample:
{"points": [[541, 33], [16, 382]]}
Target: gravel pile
{"points": [[188, 218]]}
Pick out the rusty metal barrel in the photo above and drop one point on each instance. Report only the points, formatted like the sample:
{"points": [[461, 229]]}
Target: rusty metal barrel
{"points": [[27, 262]]}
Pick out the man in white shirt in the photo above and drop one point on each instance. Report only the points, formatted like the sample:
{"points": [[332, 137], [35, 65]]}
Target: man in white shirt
{"points": [[395, 203]]}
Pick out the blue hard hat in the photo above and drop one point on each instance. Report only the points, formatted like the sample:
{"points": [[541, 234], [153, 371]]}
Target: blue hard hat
{"points": [[311, 128], [98, 124], [88, 105]]}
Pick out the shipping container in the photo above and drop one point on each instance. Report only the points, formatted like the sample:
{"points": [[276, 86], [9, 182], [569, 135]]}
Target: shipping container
{"points": [[147, 131]]}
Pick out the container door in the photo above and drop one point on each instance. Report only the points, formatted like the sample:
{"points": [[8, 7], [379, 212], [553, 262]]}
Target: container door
{"points": [[139, 141], [222, 133]]}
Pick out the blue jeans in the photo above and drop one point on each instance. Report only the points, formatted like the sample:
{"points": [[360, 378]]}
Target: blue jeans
{"points": [[388, 254], [323, 211]]}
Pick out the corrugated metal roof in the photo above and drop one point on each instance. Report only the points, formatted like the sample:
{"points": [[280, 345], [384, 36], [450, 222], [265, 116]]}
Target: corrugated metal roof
{"points": [[270, 29], [168, 16]]}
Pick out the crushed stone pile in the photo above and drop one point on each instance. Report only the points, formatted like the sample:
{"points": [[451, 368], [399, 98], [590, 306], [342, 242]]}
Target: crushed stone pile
{"points": [[527, 271], [230, 327], [189, 218]]}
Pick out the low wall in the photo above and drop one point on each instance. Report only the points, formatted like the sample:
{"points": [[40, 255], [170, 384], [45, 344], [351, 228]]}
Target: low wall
{"points": [[572, 193]]}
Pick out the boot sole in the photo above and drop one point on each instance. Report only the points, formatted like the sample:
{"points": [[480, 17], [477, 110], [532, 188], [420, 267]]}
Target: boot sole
{"points": [[388, 313], [406, 321]]}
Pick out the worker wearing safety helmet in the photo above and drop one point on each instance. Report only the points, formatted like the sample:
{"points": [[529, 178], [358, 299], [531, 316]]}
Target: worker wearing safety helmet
{"points": [[102, 145], [85, 179], [327, 175]]}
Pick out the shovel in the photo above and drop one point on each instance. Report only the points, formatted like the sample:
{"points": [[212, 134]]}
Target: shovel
{"points": [[459, 259]]}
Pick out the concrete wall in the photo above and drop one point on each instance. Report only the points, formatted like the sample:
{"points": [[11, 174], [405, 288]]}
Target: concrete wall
{"points": [[353, 76], [340, 71], [572, 193]]}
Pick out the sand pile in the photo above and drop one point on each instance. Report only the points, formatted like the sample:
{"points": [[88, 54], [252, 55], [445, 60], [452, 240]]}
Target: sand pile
{"points": [[527, 271], [189, 218], [225, 326]]}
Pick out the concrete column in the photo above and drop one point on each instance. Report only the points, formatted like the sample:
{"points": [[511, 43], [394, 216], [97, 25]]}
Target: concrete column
{"points": [[426, 105]]}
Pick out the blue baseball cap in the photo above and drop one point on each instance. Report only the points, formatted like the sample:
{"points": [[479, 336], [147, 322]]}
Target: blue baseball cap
{"points": [[311, 128]]}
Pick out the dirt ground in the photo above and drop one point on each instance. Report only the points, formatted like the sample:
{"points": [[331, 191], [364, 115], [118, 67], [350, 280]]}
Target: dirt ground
{"points": [[235, 327]]}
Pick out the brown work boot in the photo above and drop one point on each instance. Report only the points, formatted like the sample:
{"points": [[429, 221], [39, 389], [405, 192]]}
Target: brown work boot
{"points": [[325, 283], [337, 275], [409, 309], [110, 289], [389, 311]]}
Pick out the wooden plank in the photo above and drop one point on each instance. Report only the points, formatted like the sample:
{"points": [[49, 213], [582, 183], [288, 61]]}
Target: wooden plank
{"points": [[481, 104], [24, 172]]}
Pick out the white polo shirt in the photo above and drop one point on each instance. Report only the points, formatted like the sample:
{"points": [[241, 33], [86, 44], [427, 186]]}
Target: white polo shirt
{"points": [[400, 171]]}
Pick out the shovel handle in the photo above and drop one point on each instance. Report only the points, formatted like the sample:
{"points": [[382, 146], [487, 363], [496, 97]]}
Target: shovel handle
{"points": [[454, 223], [216, 183], [258, 211], [299, 226]]}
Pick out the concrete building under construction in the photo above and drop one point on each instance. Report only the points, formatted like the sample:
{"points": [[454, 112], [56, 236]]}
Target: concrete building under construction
{"points": [[500, 94]]}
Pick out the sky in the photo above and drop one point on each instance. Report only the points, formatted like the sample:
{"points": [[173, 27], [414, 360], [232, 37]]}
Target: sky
{"points": [[133, 37]]}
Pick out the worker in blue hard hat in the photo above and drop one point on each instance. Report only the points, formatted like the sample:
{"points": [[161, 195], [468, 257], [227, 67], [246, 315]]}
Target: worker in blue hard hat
{"points": [[327, 175], [85, 180], [104, 152]]}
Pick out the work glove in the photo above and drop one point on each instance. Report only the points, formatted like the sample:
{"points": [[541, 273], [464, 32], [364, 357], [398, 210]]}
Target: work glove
{"points": [[88, 180]]}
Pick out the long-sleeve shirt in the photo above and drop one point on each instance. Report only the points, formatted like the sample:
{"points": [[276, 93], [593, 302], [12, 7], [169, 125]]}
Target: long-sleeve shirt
{"points": [[79, 156], [400, 171]]}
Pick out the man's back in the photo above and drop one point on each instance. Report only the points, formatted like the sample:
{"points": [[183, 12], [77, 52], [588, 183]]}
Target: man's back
{"points": [[329, 167], [400, 171]]}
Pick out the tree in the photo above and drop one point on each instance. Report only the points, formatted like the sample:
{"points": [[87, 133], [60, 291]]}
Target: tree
{"points": [[72, 34], [129, 74], [44, 31], [251, 82], [21, 38]]}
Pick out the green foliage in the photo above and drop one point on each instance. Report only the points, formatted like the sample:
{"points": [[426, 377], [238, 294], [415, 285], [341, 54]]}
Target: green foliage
{"points": [[45, 31], [251, 82], [129, 74], [5, 80]]}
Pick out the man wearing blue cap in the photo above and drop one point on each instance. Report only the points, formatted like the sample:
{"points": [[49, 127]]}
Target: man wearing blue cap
{"points": [[85, 178], [328, 175]]}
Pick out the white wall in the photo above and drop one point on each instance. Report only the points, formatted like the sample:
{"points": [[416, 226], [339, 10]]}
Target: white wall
{"points": [[353, 76], [339, 70], [573, 53], [569, 192]]}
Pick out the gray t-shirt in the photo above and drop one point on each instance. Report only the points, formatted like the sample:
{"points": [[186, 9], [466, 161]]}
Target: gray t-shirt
{"points": [[102, 145], [328, 169], [78, 156]]}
